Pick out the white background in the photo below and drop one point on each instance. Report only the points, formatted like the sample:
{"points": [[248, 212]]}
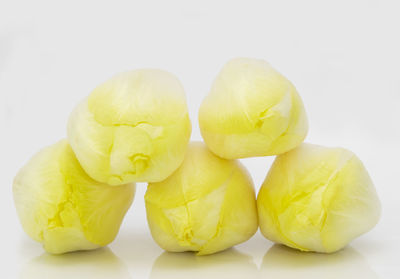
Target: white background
{"points": [[343, 57]]}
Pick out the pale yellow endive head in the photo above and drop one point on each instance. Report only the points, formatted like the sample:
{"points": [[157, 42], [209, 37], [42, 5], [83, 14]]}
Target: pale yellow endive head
{"points": [[316, 198], [207, 205], [132, 128], [252, 110], [60, 206]]}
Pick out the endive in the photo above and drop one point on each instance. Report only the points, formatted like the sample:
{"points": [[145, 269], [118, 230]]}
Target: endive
{"points": [[60, 206], [207, 205], [252, 110], [132, 128], [316, 198]]}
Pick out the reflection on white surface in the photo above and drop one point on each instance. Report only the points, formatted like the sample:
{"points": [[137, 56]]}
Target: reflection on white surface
{"points": [[99, 264], [228, 264], [284, 262]]}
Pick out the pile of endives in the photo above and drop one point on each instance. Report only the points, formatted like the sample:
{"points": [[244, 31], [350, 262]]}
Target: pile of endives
{"points": [[135, 127]]}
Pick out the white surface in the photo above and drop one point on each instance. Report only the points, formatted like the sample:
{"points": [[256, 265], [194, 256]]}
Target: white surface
{"points": [[343, 57]]}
